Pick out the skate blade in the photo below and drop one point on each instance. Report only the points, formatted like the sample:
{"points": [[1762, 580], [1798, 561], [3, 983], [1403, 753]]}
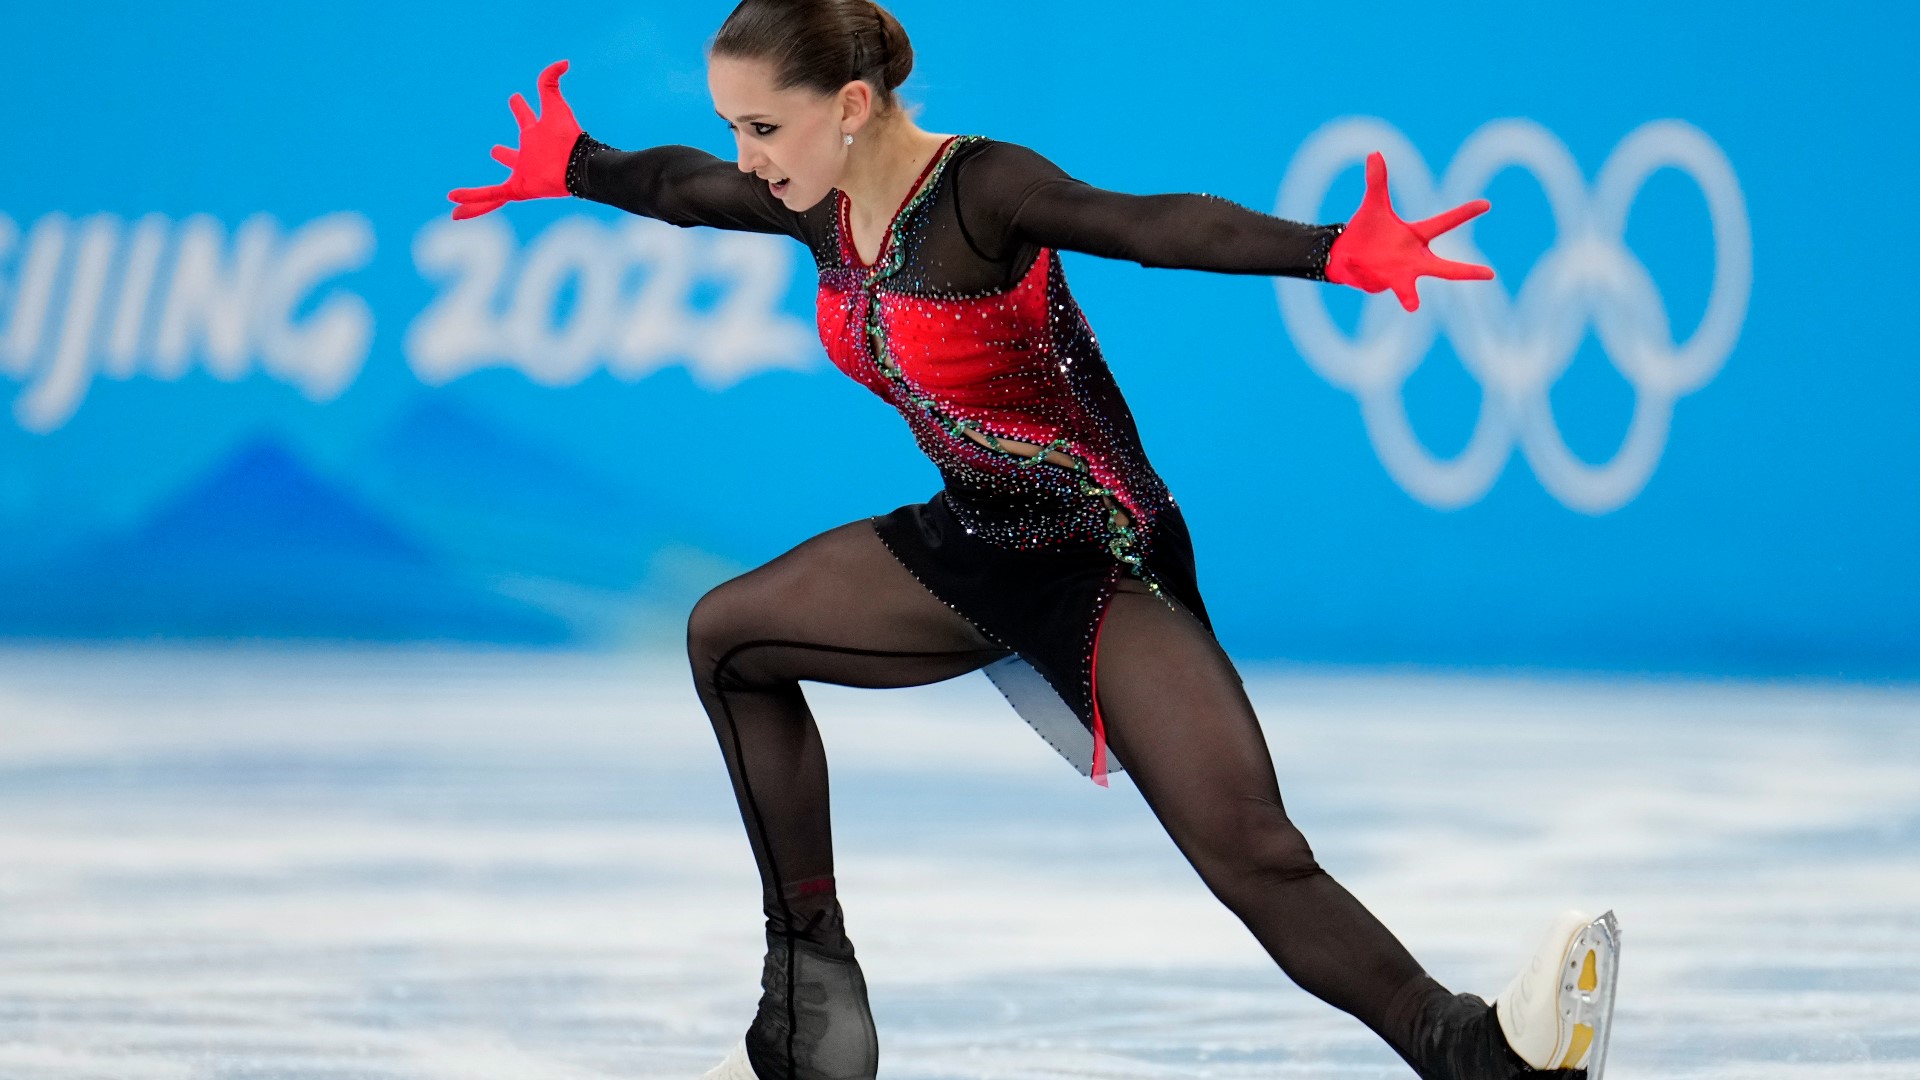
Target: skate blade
{"points": [[1588, 980], [735, 1067]]}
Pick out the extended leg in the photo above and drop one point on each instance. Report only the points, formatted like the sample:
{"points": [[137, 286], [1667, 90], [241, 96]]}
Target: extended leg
{"points": [[1179, 720]]}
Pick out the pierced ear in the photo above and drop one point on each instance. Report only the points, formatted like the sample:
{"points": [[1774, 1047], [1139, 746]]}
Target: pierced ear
{"points": [[856, 101]]}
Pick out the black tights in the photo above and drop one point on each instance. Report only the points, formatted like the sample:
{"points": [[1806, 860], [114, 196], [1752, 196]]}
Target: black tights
{"points": [[840, 609]]}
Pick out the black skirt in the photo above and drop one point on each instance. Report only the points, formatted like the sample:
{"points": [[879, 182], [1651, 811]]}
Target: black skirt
{"points": [[1045, 604]]}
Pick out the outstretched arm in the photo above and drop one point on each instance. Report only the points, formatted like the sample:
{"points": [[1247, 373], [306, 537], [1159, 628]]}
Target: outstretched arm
{"points": [[1009, 194], [676, 184], [1012, 194]]}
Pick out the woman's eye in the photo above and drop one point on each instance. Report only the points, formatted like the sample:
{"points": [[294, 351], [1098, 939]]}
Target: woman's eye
{"points": [[770, 129]]}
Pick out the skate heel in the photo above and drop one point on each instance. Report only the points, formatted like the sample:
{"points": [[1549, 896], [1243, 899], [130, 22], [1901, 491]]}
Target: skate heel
{"points": [[735, 1067], [1557, 1013]]}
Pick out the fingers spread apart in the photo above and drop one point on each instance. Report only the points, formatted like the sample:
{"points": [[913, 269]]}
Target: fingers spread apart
{"points": [[475, 209], [550, 84], [1436, 266], [522, 111], [1451, 219], [470, 194]]}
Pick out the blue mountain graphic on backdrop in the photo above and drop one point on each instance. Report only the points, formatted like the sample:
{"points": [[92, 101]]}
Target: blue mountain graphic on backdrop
{"points": [[263, 546], [531, 521]]}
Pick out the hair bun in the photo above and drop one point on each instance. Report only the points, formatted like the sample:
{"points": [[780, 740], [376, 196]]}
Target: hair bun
{"points": [[895, 46], [820, 44]]}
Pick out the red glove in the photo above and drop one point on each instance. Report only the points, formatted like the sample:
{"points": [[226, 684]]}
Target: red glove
{"points": [[540, 165], [1379, 251]]}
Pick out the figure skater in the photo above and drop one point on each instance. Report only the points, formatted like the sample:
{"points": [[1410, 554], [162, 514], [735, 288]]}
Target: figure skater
{"points": [[1053, 557]]}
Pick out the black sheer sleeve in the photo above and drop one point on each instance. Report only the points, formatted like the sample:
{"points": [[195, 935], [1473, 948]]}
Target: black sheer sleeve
{"points": [[680, 185], [1012, 195]]}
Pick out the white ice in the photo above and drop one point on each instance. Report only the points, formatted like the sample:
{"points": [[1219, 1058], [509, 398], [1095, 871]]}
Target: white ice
{"points": [[417, 865]]}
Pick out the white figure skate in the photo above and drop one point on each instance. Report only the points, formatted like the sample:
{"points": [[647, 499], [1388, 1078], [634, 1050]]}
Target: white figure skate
{"points": [[1558, 1012], [735, 1067]]}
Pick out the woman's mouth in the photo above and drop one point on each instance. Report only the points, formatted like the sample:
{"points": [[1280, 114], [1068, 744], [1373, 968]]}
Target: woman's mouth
{"points": [[779, 186]]}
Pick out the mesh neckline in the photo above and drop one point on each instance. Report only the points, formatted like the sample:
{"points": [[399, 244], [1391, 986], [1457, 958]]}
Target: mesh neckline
{"points": [[921, 186]]}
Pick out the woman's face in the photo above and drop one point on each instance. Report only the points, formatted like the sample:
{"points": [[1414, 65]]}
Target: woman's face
{"points": [[792, 136]]}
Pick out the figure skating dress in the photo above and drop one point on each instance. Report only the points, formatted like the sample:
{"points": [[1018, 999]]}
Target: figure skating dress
{"points": [[964, 323]]}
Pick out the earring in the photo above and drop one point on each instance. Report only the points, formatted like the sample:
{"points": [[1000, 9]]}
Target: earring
{"points": [[848, 137]]}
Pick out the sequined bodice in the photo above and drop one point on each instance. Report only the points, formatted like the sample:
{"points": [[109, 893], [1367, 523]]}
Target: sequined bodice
{"points": [[964, 322], [1019, 364]]}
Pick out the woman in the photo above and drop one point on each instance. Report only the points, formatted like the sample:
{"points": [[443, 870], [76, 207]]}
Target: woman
{"points": [[1054, 558]]}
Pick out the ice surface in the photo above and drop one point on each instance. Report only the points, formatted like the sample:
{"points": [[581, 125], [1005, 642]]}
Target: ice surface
{"points": [[414, 865]]}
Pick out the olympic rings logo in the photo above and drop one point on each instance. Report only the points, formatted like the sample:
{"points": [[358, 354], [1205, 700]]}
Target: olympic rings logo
{"points": [[1518, 346]]}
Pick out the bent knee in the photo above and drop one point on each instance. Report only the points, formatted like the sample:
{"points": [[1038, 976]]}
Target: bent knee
{"points": [[720, 620], [703, 625]]}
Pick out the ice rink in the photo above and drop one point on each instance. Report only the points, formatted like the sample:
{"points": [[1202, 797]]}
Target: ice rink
{"points": [[413, 865]]}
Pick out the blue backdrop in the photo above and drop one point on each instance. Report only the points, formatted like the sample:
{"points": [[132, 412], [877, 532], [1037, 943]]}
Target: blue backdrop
{"points": [[255, 383]]}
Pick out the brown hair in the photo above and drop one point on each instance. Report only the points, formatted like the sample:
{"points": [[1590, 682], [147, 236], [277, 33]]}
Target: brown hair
{"points": [[820, 44]]}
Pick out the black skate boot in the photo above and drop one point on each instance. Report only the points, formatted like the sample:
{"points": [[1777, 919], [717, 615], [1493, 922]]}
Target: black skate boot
{"points": [[814, 1022], [1463, 1041]]}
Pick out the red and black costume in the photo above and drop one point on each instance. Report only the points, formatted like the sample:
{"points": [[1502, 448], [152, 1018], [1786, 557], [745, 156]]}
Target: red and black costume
{"points": [[965, 323]]}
